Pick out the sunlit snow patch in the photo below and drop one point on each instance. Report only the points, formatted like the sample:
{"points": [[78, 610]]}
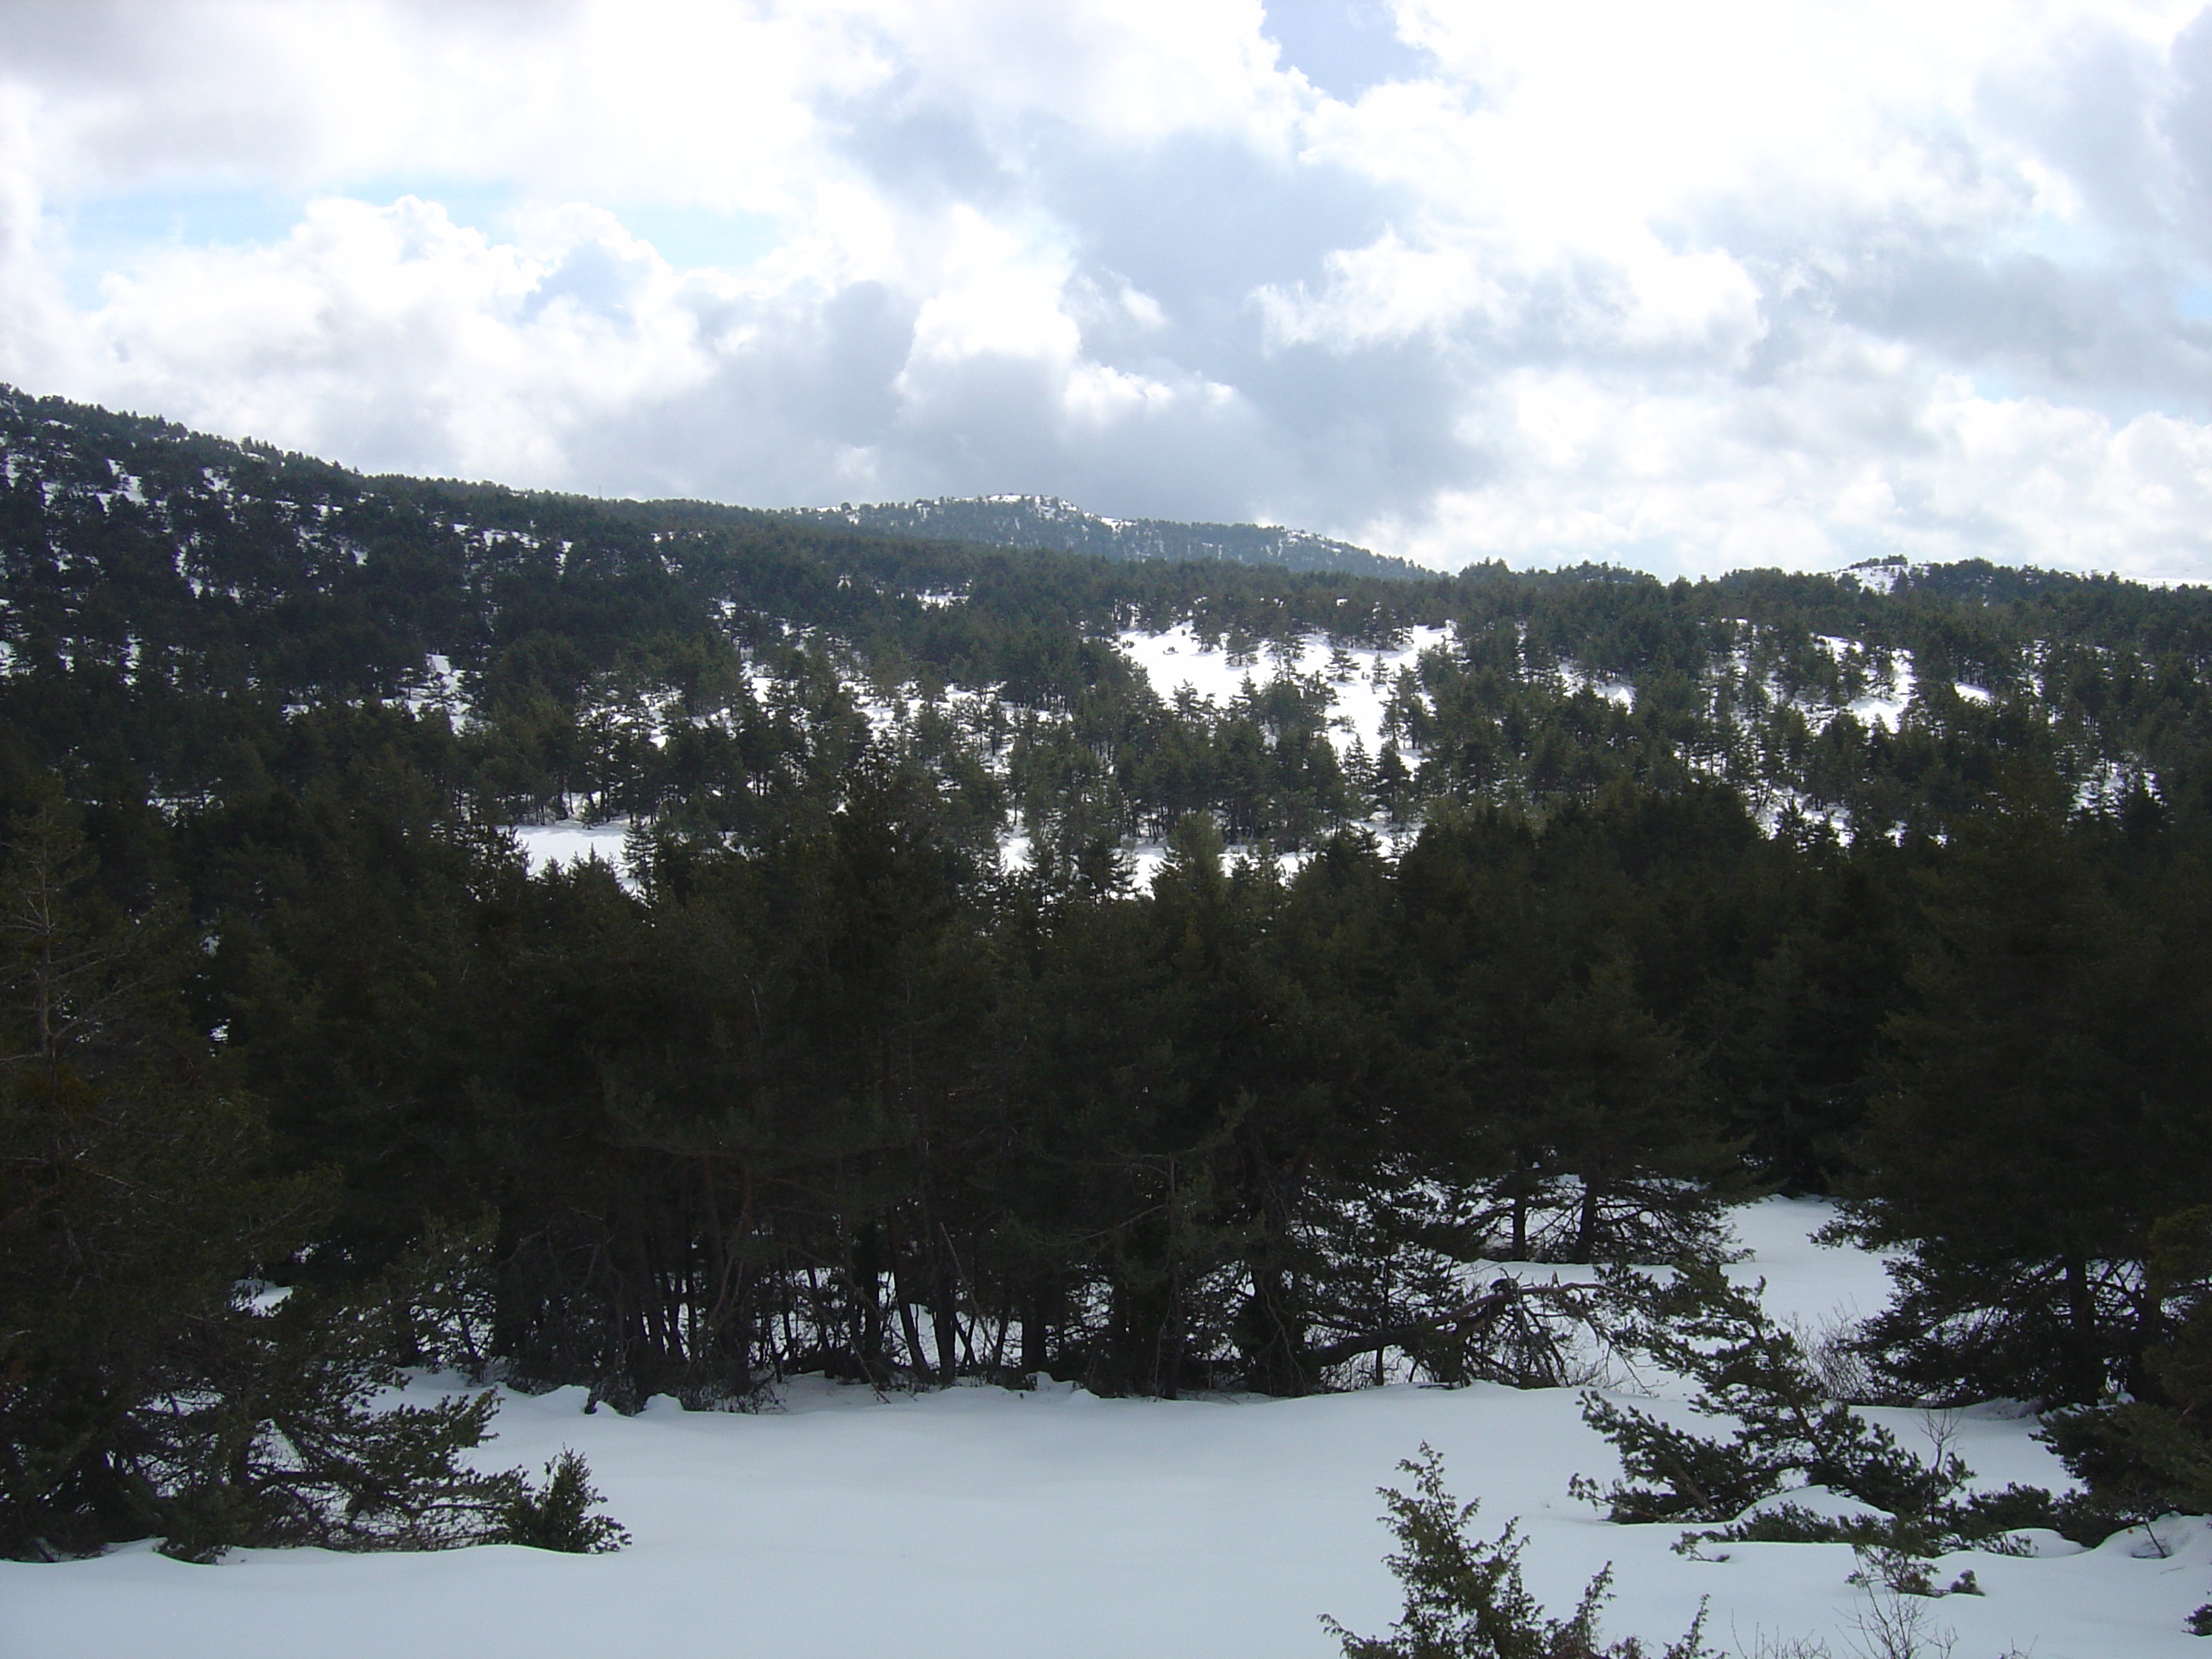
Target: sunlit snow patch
{"points": [[1618, 692], [1886, 708], [1885, 702], [571, 841], [1145, 859], [1359, 676], [439, 686]]}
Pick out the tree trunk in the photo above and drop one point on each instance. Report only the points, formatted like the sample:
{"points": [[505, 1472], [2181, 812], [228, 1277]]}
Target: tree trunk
{"points": [[1036, 1325], [1586, 1222], [945, 1310], [2083, 1377]]}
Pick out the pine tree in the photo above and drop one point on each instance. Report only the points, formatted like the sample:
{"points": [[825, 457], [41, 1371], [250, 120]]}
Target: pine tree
{"points": [[132, 1202], [2152, 1455], [1626, 1116], [143, 1389], [2031, 1133]]}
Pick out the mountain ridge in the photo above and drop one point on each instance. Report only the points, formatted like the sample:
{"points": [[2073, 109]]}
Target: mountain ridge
{"points": [[1052, 522]]}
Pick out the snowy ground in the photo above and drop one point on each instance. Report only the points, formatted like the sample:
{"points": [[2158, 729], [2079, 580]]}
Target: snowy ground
{"points": [[980, 1523], [569, 840], [1359, 677]]}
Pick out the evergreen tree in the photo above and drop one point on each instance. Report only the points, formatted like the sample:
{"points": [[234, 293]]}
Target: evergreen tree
{"points": [[143, 1389], [2152, 1455], [2031, 1133]]}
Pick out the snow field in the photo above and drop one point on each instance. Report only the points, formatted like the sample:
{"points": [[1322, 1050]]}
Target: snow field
{"points": [[980, 1523]]}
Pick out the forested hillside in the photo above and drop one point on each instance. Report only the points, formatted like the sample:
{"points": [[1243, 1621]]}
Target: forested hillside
{"points": [[1046, 521], [879, 1059]]}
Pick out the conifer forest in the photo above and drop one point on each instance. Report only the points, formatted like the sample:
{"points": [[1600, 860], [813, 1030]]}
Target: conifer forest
{"points": [[965, 1002]]}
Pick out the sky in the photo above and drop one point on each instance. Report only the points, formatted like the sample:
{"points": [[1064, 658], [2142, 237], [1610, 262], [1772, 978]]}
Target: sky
{"points": [[1687, 288]]}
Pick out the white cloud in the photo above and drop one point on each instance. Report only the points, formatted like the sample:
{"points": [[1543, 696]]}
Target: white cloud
{"points": [[1691, 286], [994, 298], [393, 333]]}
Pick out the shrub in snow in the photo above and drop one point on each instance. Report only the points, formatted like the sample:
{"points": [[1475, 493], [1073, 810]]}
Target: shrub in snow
{"points": [[1790, 1433], [1752, 1369], [558, 1516], [1464, 1595], [290, 1439], [1900, 1572], [1896, 1625]]}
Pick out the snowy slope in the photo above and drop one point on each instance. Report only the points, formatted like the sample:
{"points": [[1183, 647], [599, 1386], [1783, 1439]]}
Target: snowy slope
{"points": [[1358, 680], [980, 1523]]}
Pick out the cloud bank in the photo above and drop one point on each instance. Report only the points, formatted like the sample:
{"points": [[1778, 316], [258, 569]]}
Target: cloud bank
{"points": [[1689, 288]]}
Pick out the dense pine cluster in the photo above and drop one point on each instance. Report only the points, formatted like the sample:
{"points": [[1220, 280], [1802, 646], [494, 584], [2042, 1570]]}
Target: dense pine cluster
{"points": [[1630, 914]]}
